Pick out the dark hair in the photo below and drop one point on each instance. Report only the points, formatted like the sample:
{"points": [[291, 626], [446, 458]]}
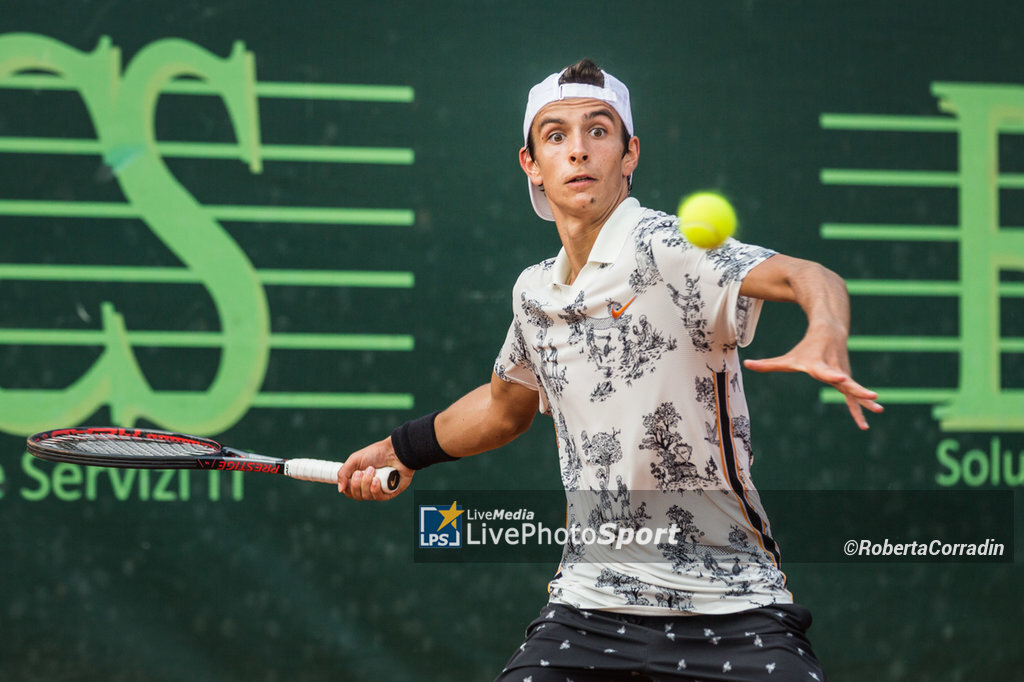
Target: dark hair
{"points": [[583, 71], [587, 72]]}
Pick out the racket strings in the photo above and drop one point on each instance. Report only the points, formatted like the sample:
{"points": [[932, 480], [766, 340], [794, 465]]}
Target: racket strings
{"points": [[127, 445]]}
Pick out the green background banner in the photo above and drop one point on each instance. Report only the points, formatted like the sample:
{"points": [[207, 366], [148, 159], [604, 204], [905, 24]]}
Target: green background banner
{"points": [[292, 226]]}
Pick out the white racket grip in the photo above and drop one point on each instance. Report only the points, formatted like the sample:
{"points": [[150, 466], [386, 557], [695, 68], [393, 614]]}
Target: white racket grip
{"points": [[322, 471]]}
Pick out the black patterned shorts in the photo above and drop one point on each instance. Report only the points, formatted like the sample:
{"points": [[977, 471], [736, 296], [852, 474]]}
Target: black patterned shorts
{"points": [[566, 644]]}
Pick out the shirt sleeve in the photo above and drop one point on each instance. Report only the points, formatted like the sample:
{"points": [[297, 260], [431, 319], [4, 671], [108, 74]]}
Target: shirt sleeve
{"points": [[729, 265], [515, 365], [705, 286]]}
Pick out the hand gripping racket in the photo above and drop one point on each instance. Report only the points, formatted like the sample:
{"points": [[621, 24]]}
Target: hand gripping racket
{"points": [[146, 449]]}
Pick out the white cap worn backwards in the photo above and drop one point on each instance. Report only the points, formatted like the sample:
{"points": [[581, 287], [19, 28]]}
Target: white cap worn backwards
{"points": [[549, 90]]}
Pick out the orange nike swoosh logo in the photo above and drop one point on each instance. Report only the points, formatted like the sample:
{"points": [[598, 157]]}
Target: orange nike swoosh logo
{"points": [[617, 313]]}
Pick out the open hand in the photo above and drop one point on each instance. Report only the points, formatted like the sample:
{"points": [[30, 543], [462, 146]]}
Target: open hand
{"points": [[823, 355]]}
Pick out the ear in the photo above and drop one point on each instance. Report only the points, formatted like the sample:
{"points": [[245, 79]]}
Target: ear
{"points": [[530, 167], [631, 158]]}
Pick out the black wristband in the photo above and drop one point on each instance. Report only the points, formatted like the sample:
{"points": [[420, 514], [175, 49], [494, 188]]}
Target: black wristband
{"points": [[415, 443]]}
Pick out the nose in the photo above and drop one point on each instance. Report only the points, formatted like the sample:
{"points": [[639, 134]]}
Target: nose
{"points": [[578, 153]]}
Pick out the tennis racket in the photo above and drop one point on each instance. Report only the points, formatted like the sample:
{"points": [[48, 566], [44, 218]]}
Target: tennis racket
{"points": [[106, 446]]}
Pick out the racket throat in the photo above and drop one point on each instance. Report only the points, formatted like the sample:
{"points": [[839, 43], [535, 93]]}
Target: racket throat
{"points": [[230, 459]]}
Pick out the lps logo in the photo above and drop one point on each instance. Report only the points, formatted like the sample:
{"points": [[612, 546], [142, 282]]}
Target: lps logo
{"points": [[441, 528]]}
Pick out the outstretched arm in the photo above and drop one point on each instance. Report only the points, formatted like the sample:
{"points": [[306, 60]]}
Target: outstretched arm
{"points": [[822, 352], [484, 419]]}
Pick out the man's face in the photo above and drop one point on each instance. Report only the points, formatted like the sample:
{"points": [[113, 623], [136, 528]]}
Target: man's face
{"points": [[578, 157]]}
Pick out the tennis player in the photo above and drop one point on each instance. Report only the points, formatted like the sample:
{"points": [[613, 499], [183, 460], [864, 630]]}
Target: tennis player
{"points": [[628, 340]]}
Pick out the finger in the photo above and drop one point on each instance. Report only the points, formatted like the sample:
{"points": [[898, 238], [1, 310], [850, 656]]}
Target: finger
{"points": [[355, 485], [776, 364], [856, 407], [857, 413], [371, 488], [368, 481], [360, 487], [828, 374], [345, 474], [377, 487], [363, 485], [865, 396], [871, 405]]}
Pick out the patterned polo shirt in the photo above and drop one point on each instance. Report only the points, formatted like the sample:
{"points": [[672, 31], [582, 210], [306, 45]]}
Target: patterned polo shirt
{"points": [[636, 362]]}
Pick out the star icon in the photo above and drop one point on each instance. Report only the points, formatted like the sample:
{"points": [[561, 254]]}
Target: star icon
{"points": [[450, 515]]}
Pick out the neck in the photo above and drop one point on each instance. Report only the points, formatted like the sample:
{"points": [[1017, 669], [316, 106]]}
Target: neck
{"points": [[578, 233]]}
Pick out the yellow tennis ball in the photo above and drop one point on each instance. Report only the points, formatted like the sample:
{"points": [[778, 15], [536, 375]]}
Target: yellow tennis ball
{"points": [[706, 219]]}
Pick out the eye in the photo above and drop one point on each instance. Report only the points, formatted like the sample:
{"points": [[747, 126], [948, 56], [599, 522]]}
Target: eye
{"points": [[598, 132], [556, 137]]}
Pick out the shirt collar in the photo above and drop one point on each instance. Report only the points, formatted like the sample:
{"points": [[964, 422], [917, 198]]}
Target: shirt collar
{"points": [[609, 240]]}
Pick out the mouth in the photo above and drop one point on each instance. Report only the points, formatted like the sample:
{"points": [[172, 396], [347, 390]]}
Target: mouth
{"points": [[580, 180]]}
